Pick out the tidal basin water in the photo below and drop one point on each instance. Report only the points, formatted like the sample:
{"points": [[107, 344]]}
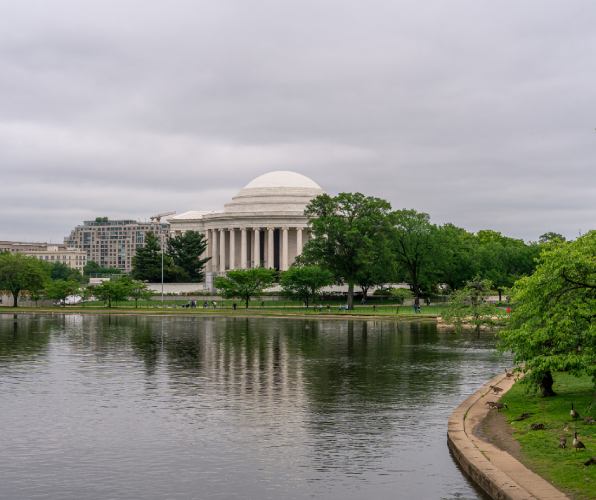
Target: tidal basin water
{"points": [[125, 407]]}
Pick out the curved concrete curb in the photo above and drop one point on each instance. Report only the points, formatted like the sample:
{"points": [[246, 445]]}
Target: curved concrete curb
{"points": [[497, 472]]}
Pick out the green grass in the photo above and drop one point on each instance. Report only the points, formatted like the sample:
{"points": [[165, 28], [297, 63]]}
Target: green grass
{"points": [[271, 308], [540, 449]]}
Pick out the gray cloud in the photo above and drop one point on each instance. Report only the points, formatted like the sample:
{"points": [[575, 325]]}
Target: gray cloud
{"points": [[481, 114]]}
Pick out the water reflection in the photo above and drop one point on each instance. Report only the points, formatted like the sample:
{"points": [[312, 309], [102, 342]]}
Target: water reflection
{"points": [[165, 407]]}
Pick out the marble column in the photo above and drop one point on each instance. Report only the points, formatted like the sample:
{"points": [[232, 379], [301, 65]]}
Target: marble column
{"points": [[208, 250], [270, 248], [243, 255], [214, 250], [298, 241], [232, 248], [257, 247], [284, 250], [222, 250]]}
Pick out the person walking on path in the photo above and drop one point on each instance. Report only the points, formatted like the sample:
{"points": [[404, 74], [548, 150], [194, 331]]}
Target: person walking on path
{"points": [[262, 304], [374, 308], [362, 302], [328, 308], [214, 305], [234, 306], [340, 308], [320, 307], [314, 307], [428, 301], [346, 308], [415, 309]]}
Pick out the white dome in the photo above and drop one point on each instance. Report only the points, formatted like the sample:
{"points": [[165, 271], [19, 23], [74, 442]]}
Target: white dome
{"points": [[276, 192], [282, 179]]}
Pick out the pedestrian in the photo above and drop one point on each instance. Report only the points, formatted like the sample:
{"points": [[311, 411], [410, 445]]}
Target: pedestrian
{"points": [[428, 301], [415, 309], [362, 302], [303, 304], [328, 308], [340, 308], [314, 307], [374, 308], [214, 305], [234, 306], [346, 309], [320, 307]]}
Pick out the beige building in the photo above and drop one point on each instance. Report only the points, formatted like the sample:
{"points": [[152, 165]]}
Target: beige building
{"points": [[112, 243], [75, 259], [263, 225]]}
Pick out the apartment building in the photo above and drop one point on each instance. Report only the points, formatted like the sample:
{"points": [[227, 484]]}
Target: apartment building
{"points": [[73, 258], [112, 243]]}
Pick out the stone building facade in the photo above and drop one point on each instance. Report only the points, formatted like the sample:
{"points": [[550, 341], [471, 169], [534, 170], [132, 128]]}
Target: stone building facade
{"points": [[263, 225], [73, 258], [112, 243]]}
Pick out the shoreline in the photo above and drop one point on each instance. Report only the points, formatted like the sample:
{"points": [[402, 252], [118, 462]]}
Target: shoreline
{"points": [[497, 472]]}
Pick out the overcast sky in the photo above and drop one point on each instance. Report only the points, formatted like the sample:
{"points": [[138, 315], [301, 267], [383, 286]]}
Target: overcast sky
{"points": [[480, 113]]}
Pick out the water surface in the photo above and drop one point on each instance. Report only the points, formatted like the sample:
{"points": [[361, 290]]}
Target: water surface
{"points": [[96, 407]]}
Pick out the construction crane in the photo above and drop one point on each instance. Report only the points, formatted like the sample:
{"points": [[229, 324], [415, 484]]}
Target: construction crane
{"points": [[159, 216]]}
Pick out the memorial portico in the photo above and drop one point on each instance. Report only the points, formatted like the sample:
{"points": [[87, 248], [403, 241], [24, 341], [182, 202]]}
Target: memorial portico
{"points": [[264, 225]]}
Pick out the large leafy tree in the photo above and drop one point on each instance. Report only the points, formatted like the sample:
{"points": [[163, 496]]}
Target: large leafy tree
{"points": [[416, 245], [349, 235], [553, 323], [186, 251], [400, 295], [19, 273], [60, 271], [93, 267], [115, 291], [62, 289], [305, 282], [245, 283]]}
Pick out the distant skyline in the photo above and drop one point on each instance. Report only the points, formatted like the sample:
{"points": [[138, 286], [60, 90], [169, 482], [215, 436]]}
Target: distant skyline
{"points": [[481, 114]]}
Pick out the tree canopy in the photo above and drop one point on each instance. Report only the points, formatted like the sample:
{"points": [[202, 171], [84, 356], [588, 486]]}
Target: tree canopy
{"points": [[61, 289], [186, 251], [93, 267], [305, 282], [19, 273], [349, 235], [552, 325], [147, 264], [60, 271], [245, 283]]}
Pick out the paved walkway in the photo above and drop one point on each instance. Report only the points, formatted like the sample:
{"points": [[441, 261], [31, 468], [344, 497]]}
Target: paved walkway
{"points": [[497, 472]]}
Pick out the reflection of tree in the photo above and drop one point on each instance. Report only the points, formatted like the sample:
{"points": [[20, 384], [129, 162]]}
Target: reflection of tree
{"points": [[22, 337]]}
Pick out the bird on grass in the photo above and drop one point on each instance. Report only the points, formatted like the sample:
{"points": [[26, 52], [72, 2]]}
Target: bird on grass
{"points": [[498, 406], [573, 413], [495, 389], [563, 442], [577, 444], [507, 374], [588, 420]]}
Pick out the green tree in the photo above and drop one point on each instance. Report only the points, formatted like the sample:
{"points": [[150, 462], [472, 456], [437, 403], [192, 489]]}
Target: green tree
{"points": [[349, 235], [60, 271], [139, 290], [186, 251], [109, 291], [468, 307], [19, 273], [93, 267], [415, 244], [60, 289], [86, 293], [147, 264], [550, 236], [552, 326], [245, 283], [400, 295], [305, 282]]}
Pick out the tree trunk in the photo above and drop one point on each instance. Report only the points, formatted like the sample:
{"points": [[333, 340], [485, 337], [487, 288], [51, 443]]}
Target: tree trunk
{"points": [[416, 291], [16, 298], [499, 290], [247, 299], [364, 292], [546, 385], [351, 297]]}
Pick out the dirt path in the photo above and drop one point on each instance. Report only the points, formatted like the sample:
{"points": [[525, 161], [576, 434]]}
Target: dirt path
{"points": [[494, 429]]}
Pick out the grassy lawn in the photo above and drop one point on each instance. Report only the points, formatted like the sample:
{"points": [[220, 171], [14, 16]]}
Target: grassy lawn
{"points": [[224, 307], [540, 449]]}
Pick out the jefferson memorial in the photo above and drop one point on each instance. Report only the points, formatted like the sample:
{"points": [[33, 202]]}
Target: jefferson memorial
{"points": [[263, 225]]}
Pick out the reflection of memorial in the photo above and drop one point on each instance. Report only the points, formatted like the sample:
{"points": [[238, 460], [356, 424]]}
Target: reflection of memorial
{"points": [[263, 225]]}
